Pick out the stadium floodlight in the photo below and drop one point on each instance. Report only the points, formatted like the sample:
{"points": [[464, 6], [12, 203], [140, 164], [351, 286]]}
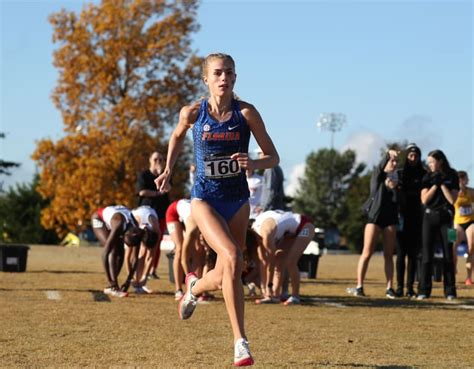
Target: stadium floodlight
{"points": [[332, 122]]}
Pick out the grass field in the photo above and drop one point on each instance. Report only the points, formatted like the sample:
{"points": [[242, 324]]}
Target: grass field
{"points": [[54, 315]]}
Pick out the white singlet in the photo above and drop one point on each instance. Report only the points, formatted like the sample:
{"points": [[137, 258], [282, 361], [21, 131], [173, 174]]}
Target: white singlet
{"points": [[144, 213], [286, 222], [183, 207], [255, 182], [110, 211]]}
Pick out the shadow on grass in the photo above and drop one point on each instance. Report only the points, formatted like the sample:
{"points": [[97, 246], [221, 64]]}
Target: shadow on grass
{"points": [[99, 296], [63, 272], [333, 281], [368, 302], [358, 365]]}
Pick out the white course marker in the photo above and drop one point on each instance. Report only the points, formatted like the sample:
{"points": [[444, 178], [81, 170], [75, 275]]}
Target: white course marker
{"points": [[53, 295]]}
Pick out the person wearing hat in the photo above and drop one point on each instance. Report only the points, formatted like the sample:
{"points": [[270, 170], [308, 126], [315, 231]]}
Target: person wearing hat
{"points": [[411, 219], [382, 217]]}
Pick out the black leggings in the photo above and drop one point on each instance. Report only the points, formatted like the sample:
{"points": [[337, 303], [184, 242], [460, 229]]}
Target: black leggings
{"points": [[408, 246], [435, 229]]}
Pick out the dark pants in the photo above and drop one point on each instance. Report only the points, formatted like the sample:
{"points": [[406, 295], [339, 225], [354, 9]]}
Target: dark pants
{"points": [[435, 229], [408, 247]]}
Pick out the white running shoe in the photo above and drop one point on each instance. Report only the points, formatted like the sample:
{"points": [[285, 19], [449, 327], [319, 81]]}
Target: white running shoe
{"points": [[252, 289], [178, 294], [267, 300], [292, 300], [242, 355], [147, 290], [188, 302], [112, 291]]}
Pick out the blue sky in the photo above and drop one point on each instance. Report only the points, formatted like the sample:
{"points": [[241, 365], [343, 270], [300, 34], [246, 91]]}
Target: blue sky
{"points": [[397, 69]]}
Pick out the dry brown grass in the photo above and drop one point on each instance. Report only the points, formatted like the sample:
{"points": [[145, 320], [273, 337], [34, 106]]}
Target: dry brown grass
{"points": [[86, 329]]}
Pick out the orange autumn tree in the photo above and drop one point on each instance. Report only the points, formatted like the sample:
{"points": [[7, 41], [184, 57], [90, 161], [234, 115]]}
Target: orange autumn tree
{"points": [[125, 69]]}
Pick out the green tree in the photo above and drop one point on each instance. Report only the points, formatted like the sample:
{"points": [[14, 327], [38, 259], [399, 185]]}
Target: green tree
{"points": [[352, 226], [5, 166], [323, 188], [125, 69], [20, 210]]}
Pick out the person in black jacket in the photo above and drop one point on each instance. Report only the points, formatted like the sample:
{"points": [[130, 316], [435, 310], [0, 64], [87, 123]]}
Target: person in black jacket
{"points": [[382, 214], [149, 195], [439, 192], [411, 217]]}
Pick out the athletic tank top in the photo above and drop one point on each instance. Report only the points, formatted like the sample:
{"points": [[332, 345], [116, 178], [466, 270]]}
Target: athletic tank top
{"points": [[144, 213], [110, 211], [463, 212], [286, 222], [217, 176]]}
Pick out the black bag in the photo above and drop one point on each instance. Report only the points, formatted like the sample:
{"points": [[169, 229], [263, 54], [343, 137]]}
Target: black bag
{"points": [[367, 204]]}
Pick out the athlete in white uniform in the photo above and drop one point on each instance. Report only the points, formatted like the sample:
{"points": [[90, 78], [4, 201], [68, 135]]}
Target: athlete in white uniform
{"points": [[147, 219], [255, 182], [114, 226], [109, 212], [184, 233], [284, 237]]}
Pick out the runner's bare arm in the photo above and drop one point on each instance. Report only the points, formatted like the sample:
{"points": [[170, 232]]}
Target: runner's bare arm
{"points": [[187, 117], [270, 156]]}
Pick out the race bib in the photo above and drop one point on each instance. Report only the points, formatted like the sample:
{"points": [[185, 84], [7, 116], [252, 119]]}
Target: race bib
{"points": [[221, 167], [465, 210]]}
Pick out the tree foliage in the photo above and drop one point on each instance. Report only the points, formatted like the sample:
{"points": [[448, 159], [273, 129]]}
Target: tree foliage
{"points": [[352, 226], [20, 209], [125, 69], [323, 188], [5, 166]]}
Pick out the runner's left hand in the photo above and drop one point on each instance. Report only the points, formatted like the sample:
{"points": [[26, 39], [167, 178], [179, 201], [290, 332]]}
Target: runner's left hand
{"points": [[243, 159]]}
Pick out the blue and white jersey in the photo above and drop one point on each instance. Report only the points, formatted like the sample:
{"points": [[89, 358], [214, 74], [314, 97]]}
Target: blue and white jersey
{"points": [[217, 176]]}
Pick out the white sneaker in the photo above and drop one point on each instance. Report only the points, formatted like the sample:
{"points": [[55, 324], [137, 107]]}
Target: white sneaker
{"points": [[242, 355], [267, 300], [147, 290], [112, 291], [292, 300], [188, 302], [252, 289], [178, 294]]}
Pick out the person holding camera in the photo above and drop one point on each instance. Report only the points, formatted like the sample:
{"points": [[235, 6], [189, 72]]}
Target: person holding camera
{"points": [[411, 219], [439, 192], [382, 218]]}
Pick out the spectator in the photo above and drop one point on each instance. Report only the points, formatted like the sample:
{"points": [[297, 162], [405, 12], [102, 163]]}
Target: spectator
{"points": [[148, 195], [464, 221], [273, 195], [382, 214], [439, 192], [411, 218]]}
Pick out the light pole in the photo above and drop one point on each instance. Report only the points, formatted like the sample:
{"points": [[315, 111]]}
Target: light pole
{"points": [[332, 122]]}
